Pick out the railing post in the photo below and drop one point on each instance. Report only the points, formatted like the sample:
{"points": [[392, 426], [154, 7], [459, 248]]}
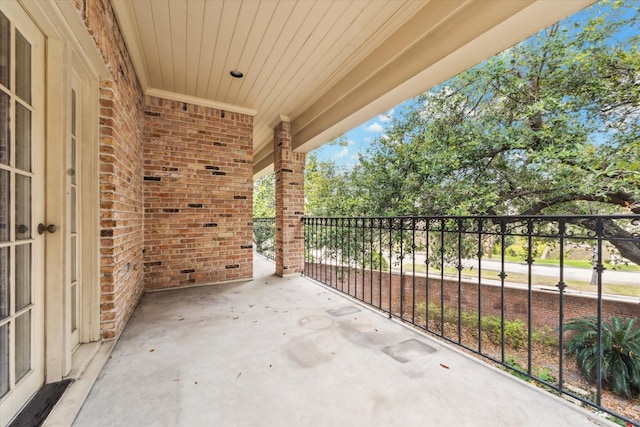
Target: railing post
{"points": [[561, 286]]}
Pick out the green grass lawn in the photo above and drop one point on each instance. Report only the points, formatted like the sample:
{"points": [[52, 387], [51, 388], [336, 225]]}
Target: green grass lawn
{"points": [[576, 285]]}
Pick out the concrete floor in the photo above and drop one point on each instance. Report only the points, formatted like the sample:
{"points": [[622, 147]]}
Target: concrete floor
{"points": [[289, 352]]}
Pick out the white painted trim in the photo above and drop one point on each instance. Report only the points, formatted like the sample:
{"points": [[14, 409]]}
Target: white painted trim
{"points": [[134, 46], [279, 119], [259, 170], [77, 34], [67, 408], [158, 93], [59, 19], [69, 43], [57, 82], [90, 210]]}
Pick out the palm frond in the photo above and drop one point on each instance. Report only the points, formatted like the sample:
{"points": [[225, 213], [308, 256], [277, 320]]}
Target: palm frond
{"points": [[619, 354]]}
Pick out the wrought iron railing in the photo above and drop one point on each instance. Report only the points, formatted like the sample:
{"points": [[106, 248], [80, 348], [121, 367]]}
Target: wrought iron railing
{"points": [[452, 277], [264, 237]]}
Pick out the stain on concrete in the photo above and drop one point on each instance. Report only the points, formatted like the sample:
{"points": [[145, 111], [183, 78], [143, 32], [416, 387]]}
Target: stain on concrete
{"points": [[409, 350], [362, 337], [315, 323], [310, 351], [343, 311]]}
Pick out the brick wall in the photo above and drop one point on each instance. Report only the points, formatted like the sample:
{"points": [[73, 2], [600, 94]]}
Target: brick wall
{"points": [[289, 172], [121, 227], [198, 192], [196, 178], [374, 288]]}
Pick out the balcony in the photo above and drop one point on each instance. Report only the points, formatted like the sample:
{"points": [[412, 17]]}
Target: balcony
{"points": [[481, 284], [291, 351]]}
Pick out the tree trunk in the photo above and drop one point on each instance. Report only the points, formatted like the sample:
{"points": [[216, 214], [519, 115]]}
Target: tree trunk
{"points": [[594, 278], [627, 243]]}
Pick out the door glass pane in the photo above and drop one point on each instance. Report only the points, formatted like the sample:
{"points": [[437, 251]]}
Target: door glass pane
{"points": [[23, 275], [4, 282], [73, 259], [4, 129], [4, 359], [5, 208], [5, 50], [23, 138], [74, 320], [23, 207], [73, 209], [73, 160], [23, 344], [23, 68], [73, 112]]}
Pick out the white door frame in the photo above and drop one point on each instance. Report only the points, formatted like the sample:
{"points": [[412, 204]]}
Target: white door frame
{"points": [[70, 47]]}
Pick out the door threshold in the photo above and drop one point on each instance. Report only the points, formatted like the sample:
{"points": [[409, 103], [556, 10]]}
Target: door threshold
{"points": [[65, 412], [81, 357], [41, 405]]}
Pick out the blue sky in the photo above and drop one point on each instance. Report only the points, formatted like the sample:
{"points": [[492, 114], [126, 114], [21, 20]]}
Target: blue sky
{"points": [[358, 140]]}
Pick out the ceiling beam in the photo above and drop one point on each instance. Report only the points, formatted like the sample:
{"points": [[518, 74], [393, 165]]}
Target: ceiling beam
{"points": [[487, 28]]}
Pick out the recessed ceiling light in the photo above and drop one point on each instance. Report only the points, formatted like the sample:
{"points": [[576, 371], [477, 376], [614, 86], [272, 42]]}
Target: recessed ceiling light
{"points": [[237, 74]]}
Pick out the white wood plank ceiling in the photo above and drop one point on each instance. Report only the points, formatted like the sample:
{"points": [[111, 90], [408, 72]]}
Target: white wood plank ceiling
{"points": [[325, 65]]}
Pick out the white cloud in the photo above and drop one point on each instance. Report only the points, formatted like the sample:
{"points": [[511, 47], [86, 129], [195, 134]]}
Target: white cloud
{"points": [[386, 117], [374, 127], [342, 153]]}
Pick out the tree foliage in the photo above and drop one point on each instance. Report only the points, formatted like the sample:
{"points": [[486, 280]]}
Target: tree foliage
{"points": [[542, 127], [264, 197], [327, 188], [549, 126]]}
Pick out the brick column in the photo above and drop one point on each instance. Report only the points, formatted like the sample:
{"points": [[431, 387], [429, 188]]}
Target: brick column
{"points": [[289, 170]]}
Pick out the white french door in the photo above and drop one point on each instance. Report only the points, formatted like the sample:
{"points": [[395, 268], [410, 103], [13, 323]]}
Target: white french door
{"points": [[21, 209]]}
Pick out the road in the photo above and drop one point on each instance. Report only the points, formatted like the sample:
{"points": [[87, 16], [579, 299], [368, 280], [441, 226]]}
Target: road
{"points": [[570, 273]]}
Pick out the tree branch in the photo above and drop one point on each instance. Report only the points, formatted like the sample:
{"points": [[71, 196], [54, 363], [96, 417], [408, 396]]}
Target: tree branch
{"points": [[627, 244], [626, 200]]}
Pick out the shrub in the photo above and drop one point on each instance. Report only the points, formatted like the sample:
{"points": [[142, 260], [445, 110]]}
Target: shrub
{"points": [[515, 332], [518, 370], [546, 337], [516, 250], [541, 373], [545, 374], [620, 352], [375, 261]]}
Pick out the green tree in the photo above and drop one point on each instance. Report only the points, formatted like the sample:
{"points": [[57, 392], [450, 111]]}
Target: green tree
{"points": [[264, 197], [551, 125], [327, 188]]}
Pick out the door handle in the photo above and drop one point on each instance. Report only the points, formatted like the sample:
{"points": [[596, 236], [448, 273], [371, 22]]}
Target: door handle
{"points": [[51, 228]]}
